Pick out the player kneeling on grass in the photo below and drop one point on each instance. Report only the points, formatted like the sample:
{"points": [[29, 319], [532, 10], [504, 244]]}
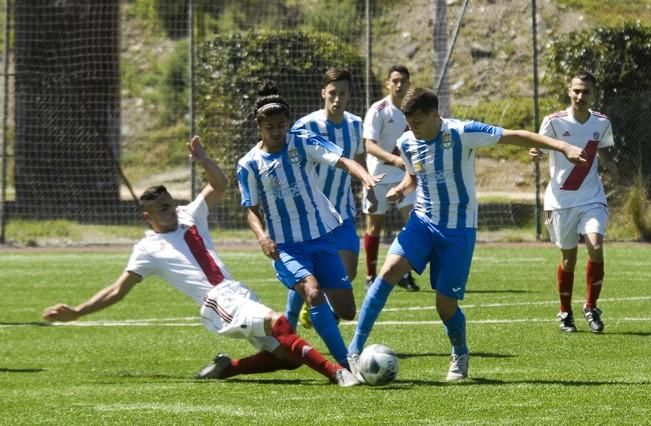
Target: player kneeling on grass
{"points": [[178, 248]]}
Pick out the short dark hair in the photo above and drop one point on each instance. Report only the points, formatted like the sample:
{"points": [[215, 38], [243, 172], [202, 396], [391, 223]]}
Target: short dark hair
{"points": [[152, 193], [270, 102], [419, 99], [585, 76], [336, 74], [398, 68]]}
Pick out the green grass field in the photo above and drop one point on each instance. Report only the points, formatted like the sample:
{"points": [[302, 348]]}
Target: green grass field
{"points": [[133, 363]]}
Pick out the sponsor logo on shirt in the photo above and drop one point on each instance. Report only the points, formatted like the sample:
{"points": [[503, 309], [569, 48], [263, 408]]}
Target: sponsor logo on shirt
{"points": [[567, 133], [596, 136]]}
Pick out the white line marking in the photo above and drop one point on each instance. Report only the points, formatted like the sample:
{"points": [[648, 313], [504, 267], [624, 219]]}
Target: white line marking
{"points": [[500, 305], [194, 321]]}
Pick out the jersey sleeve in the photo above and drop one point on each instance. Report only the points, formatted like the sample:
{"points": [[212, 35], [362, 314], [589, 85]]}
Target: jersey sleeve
{"points": [[359, 131], [402, 144], [198, 212], [247, 184], [319, 149], [476, 134], [546, 129], [140, 262], [372, 125], [607, 140]]}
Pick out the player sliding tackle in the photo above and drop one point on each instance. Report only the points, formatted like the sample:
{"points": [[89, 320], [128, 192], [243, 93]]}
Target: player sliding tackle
{"points": [[439, 156], [178, 249]]}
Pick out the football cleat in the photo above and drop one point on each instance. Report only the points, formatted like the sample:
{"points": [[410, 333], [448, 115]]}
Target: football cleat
{"points": [[353, 365], [458, 368], [304, 317], [408, 283], [566, 320], [215, 369], [345, 378], [593, 316]]}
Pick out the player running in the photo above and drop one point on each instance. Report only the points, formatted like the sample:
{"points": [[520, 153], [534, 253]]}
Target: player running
{"points": [[178, 249], [343, 129], [292, 218], [439, 156], [384, 123], [575, 201]]}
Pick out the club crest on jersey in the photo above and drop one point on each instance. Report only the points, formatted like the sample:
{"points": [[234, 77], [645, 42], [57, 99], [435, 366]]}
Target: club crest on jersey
{"points": [[596, 136], [446, 140], [419, 167], [294, 158]]}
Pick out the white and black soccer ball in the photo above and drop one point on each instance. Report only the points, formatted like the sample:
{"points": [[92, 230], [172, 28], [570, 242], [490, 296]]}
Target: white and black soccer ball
{"points": [[378, 365]]}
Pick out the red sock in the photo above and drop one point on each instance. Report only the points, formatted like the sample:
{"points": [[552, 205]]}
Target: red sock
{"points": [[372, 246], [262, 362], [304, 353], [594, 275], [565, 282]]}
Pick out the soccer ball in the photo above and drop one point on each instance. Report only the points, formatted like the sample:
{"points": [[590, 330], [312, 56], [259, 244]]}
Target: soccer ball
{"points": [[378, 365]]}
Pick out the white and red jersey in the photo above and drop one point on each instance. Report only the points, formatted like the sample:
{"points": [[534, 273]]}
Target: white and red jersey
{"points": [[384, 123], [572, 185], [185, 258]]}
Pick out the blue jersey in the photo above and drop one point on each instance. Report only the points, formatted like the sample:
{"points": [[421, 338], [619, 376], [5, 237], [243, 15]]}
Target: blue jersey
{"points": [[285, 184], [445, 170], [336, 183]]}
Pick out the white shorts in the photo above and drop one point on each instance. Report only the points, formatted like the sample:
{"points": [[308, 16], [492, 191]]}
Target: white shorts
{"points": [[381, 190], [566, 225], [232, 310]]}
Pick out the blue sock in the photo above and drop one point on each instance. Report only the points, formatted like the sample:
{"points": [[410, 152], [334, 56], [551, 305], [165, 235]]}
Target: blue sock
{"points": [[324, 323], [455, 327], [376, 298], [293, 308]]}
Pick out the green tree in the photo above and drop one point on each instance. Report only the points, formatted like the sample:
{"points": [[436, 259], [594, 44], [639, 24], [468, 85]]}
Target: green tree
{"points": [[231, 69]]}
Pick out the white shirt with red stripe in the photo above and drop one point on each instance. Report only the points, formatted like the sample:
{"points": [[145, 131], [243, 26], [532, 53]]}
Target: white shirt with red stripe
{"points": [[570, 185], [384, 123], [189, 264]]}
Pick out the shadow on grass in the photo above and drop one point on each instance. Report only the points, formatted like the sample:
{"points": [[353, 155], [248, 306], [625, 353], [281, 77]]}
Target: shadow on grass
{"points": [[21, 370], [499, 291]]}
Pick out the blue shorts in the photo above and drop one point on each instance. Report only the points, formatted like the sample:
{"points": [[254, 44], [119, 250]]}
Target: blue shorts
{"points": [[318, 257], [448, 251], [346, 237]]}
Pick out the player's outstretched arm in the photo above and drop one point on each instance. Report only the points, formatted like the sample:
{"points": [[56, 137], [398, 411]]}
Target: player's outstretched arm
{"points": [[102, 299], [376, 150], [357, 170], [533, 140], [217, 181]]}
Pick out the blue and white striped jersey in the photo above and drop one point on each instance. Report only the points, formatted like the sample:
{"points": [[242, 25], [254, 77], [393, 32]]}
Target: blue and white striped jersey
{"points": [[285, 184], [336, 183], [445, 170]]}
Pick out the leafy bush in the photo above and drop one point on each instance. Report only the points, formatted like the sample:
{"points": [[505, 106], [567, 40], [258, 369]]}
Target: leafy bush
{"points": [[511, 113], [228, 78]]}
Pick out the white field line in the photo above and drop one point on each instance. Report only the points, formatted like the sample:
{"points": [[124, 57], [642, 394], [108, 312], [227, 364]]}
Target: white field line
{"points": [[194, 321], [500, 305]]}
